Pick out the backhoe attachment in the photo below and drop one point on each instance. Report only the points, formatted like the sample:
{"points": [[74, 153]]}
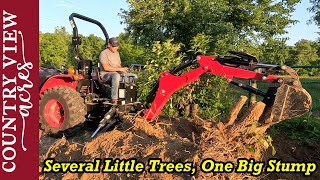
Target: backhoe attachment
{"points": [[284, 99]]}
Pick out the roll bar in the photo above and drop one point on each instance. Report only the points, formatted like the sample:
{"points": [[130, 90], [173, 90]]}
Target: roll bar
{"points": [[76, 40]]}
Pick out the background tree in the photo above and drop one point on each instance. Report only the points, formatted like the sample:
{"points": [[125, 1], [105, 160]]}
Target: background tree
{"points": [[54, 48], [227, 22], [91, 48], [315, 8], [274, 51], [304, 53], [208, 27], [163, 33], [130, 52]]}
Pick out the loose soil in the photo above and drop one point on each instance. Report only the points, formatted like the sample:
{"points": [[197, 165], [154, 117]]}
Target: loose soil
{"points": [[176, 140], [180, 140]]}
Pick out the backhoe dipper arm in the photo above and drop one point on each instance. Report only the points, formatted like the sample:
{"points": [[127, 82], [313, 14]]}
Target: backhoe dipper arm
{"points": [[169, 83]]}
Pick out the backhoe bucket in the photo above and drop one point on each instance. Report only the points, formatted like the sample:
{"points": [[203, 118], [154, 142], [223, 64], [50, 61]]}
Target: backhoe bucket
{"points": [[291, 99]]}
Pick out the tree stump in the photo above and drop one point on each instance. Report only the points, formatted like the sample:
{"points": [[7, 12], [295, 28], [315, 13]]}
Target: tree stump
{"points": [[238, 137]]}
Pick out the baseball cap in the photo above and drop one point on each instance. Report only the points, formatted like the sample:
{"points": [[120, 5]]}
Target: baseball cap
{"points": [[114, 42]]}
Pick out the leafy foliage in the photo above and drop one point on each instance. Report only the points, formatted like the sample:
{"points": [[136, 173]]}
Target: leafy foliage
{"points": [[212, 27], [210, 93], [181, 20], [163, 33], [131, 53], [274, 52], [91, 47], [162, 58], [305, 52], [200, 44], [54, 48], [315, 8]]}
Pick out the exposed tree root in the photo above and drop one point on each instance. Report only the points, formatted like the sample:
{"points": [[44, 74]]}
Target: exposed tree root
{"points": [[174, 140]]}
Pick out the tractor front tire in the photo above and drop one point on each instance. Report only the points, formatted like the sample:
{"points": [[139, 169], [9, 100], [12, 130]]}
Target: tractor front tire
{"points": [[62, 109]]}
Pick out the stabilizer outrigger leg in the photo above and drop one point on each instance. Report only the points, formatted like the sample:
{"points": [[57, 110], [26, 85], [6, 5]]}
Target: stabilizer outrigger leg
{"points": [[107, 121]]}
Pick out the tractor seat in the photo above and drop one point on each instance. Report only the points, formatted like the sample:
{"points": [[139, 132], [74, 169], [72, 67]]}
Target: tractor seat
{"points": [[101, 81]]}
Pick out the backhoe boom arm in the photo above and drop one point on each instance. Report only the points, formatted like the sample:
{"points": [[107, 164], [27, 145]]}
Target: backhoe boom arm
{"points": [[169, 83]]}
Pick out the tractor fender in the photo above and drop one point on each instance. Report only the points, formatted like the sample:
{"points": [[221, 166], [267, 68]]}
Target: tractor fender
{"points": [[59, 80]]}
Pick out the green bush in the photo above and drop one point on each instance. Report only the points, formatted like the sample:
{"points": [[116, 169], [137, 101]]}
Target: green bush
{"points": [[210, 92], [130, 52], [162, 58]]}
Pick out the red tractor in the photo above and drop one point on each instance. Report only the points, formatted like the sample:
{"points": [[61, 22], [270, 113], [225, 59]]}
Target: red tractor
{"points": [[68, 99]]}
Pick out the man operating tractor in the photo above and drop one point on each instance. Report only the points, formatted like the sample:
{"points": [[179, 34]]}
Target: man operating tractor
{"points": [[111, 69]]}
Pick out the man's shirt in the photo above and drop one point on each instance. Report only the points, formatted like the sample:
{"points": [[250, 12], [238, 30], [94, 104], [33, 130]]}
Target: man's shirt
{"points": [[110, 58]]}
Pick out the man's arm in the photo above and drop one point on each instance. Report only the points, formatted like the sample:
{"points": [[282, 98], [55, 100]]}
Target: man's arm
{"points": [[109, 68]]}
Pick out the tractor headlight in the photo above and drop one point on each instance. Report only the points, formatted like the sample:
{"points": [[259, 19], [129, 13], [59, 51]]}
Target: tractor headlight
{"points": [[71, 70], [76, 77]]}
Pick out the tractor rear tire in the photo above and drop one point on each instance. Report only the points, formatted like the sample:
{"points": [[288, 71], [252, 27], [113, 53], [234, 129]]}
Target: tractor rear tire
{"points": [[62, 110]]}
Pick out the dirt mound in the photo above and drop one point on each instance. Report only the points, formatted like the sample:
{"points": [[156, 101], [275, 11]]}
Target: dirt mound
{"points": [[172, 140]]}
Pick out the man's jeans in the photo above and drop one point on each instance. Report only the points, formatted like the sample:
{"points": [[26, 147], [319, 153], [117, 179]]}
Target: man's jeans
{"points": [[115, 78]]}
